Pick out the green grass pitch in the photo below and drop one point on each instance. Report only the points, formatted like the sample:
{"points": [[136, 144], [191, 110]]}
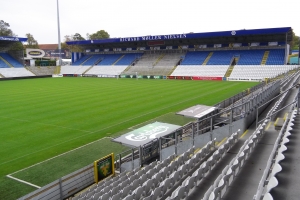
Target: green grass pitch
{"points": [[42, 118]]}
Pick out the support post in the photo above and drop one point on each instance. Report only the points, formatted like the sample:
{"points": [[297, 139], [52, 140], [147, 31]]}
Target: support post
{"points": [[120, 164], [159, 144], [176, 141], [60, 189], [132, 159]]}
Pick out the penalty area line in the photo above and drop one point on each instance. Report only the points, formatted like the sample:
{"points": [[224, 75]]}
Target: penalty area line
{"points": [[19, 180]]}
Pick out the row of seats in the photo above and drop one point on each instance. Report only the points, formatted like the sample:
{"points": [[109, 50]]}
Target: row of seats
{"points": [[129, 58], [15, 72], [107, 70], [141, 184], [108, 59], [200, 70], [245, 57], [217, 190], [81, 60], [73, 69], [191, 182], [275, 158], [273, 166], [259, 71], [194, 58], [276, 57]]}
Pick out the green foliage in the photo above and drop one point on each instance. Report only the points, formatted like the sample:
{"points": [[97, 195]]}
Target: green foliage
{"points": [[102, 34], [77, 37], [17, 46], [42, 118], [4, 29], [295, 42], [73, 48], [31, 42]]}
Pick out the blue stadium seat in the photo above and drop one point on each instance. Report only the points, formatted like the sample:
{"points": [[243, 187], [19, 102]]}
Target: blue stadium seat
{"points": [[127, 59], [81, 60], [250, 57], [94, 59], [276, 57], [3, 64], [109, 59], [195, 58], [221, 57], [10, 60]]}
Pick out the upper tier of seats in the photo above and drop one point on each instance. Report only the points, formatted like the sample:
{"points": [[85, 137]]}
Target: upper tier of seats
{"points": [[108, 59], [276, 57], [221, 58], [81, 60], [127, 59], [244, 57], [194, 58], [250, 57], [10, 60]]}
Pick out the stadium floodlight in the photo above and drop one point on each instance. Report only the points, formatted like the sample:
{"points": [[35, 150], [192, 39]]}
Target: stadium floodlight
{"points": [[58, 28]]}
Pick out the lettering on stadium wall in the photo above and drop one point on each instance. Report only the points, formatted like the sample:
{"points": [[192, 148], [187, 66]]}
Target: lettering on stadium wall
{"points": [[156, 37]]}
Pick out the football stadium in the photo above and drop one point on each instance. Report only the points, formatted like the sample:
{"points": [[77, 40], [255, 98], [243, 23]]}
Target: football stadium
{"points": [[196, 116]]}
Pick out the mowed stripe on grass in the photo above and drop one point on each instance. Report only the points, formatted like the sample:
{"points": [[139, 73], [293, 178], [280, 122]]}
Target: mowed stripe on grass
{"points": [[40, 118]]}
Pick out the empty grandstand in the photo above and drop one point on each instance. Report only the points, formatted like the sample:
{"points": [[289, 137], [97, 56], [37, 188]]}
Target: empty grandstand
{"points": [[220, 155]]}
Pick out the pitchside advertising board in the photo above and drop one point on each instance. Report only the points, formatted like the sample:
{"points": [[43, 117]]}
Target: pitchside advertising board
{"points": [[196, 78], [143, 76], [145, 134], [104, 167]]}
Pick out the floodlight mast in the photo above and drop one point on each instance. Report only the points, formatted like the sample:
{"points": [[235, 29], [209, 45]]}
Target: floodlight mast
{"points": [[58, 27]]}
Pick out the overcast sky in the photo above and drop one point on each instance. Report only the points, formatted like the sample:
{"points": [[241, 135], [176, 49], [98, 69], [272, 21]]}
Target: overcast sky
{"points": [[126, 18]]}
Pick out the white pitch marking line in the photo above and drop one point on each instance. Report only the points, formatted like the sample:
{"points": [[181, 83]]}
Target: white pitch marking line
{"points": [[19, 180], [51, 157]]}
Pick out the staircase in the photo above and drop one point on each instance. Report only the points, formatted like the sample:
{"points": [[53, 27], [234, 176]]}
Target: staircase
{"points": [[87, 69], [127, 69], [172, 70], [265, 58], [207, 58], [118, 59], [229, 70], [86, 60], [158, 59], [6, 62], [27, 68]]}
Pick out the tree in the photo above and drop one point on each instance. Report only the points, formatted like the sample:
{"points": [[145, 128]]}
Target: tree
{"points": [[4, 29], [102, 34], [31, 42], [73, 48], [77, 37], [294, 44]]}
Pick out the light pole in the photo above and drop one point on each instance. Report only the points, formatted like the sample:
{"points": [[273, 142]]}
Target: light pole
{"points": [[58, 27]]}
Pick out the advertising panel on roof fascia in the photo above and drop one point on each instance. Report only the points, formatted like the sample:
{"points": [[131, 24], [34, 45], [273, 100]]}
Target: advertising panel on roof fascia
{"points": [[241, 32], [12, 39]]}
